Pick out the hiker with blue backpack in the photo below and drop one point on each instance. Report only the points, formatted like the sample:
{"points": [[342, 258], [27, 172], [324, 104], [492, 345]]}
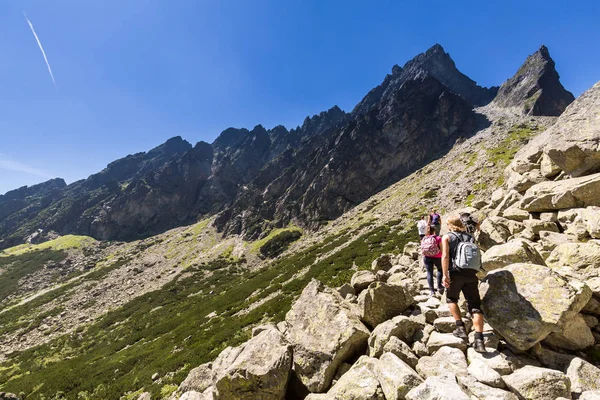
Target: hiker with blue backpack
{"points": [[431, 246], [461, 260]]}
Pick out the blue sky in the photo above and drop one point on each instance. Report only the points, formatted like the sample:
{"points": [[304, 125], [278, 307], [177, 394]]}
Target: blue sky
{"points": [[132, 73]]}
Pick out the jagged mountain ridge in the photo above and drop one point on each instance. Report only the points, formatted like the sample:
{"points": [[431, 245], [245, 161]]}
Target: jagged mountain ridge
{"points": [[261, 179]]}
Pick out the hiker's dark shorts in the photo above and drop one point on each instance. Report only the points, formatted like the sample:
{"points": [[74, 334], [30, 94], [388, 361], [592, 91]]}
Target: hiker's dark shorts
{"points": [[468, 284]]}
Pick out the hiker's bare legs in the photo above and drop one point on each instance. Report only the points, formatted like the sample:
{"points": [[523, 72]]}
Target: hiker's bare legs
{"points": [[477, 321], [455, 311]]}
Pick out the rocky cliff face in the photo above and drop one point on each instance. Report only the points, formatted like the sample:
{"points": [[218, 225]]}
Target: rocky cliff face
{"points": [[259, 179], [535, 89]]}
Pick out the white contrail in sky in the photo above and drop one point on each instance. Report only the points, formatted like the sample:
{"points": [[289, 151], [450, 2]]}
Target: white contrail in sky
{"points": [[41, 48]]}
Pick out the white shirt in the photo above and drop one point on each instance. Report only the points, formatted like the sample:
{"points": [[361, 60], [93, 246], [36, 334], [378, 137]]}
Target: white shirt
{"points": [[421, 226]]}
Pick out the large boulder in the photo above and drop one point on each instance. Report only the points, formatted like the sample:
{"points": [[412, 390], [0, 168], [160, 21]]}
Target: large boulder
{"points": [[557, 195], [514, 251], [360, 382], [411, 249], [382, 301], [583, 376], [575, 335], [494, 231], [484, 374], [446, 361], [533, 383], [439, 340], [262, 368], [401, 327], [401, 350], [493, 359], [526, 302], [573, 142], [324, 331], [438, 388], [395, 376], [584, 258]]}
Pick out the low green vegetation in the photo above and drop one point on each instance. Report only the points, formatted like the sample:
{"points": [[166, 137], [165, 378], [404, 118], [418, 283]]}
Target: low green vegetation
{"points": [[169, 331], [518, 135], [61, 243], [279, 243], [259, 243], [16, 265]]}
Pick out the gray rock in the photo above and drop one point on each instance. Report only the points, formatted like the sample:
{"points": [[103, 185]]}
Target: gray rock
{"points": [[548, 168], [446, 361], [382, 301], [345, 290], [143, 396], [448, 324], [590, 395], [262, 368], [438, 340], [484, 374], [584, 258], [361, 280], [324, 331], [401, 350], [438, 388], [514, 251], [382, 263], [533, 383], [493, 232], [199, 379], [535, 226], [401, 327], [558, 195], [551, 359], [395, 377], [575, 335], [583, 376], [550, 240], [590, 321], [411, 249], [592, 307], [493, 359], [573, 141], [526, 302], [481, 391], [191, 395], [516, 214], [359, 382]]}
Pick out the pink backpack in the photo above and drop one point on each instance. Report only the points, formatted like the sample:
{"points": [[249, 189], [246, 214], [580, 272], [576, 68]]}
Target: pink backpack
{"points": [[429, 246]]}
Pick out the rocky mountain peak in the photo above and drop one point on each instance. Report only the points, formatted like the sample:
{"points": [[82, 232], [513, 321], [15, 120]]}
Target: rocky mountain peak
{"points": [[535, 89], [435, 63]]}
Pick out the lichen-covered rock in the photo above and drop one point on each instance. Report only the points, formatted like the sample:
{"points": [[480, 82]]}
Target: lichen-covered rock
{"points": [[382, 263], [558, 195], [360, 382], [446, 361], [448, 324], [401, 327], [549, 240], [516, 214], [411, 249], [199, 379], [382, 301], [324, 331], [533, 383], [514, 251], [583, 376], [575, 335], [590, 395], [395, 377], [536, 225], [526, 302], [581, 257], [484, 374], [361, 280], [573, 142], [493, 232], [262, 368], [481, 391], [438, 388], [493, 359], [401, 350], [438, 340], [346, 290]]}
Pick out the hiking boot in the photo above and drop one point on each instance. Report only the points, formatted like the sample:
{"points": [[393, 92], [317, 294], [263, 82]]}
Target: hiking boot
{"points": [[478, 346], [461, 333]]}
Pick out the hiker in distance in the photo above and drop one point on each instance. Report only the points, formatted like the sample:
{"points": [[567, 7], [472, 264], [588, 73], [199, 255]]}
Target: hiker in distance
{"points": [[432, 257], [422, 226], [461, 260], [435, 220]]}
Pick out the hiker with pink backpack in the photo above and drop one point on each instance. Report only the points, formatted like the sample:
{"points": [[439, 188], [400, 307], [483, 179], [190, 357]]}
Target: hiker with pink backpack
{"points": [[431, 246]]}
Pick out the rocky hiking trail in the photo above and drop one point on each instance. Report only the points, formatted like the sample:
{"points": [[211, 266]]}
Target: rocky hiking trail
{"points": [[320, 321], [381, 337]]}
